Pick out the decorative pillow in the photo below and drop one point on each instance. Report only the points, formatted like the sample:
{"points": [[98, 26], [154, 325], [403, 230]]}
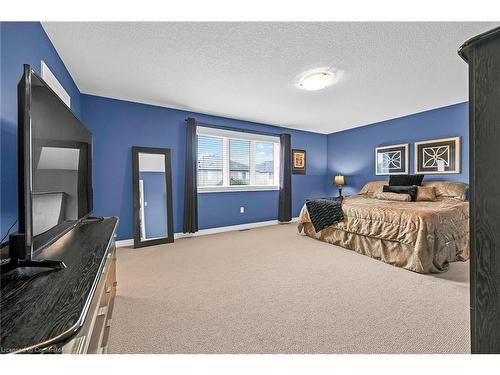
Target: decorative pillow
{"points": [[411, 190], [448, 189], [392, 196], [373, 186], [426, 193], [406, 180]]}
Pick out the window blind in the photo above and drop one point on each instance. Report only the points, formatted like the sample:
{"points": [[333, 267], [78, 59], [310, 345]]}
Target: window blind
{"points": [[230, 160]]}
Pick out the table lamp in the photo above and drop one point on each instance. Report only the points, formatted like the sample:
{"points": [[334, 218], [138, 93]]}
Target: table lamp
{"points": [[339, 181]]}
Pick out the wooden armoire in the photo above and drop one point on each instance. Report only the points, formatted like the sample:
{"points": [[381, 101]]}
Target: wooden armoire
{"points": [[482, 53]]}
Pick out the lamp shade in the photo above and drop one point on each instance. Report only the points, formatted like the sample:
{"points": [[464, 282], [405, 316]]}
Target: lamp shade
{"points": [[339, 180]]}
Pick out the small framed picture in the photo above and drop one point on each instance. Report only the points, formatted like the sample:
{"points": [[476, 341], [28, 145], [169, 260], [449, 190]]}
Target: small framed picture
{"points": [[437, 156], [391, 159], [298, 161]]}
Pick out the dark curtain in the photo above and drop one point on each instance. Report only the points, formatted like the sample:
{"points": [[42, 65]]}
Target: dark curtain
{"points": [[285, 199], [190, 180]]}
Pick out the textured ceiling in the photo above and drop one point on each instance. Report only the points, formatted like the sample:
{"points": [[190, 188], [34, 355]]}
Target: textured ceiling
{"points": [[248, 70]]}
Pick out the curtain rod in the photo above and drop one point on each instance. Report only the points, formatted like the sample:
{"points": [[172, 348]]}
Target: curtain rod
{"points": [[223, 127]]}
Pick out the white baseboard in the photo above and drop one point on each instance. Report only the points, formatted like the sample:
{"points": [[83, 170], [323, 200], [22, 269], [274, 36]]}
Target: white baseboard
{"points": [[204, 232]]}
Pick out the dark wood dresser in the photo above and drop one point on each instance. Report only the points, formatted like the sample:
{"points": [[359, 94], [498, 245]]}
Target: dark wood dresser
{"points": [[64, 311], [482, 53]]}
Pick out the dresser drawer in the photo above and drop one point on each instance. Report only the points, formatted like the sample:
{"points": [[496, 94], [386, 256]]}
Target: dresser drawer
{"points": [[93, 336]]}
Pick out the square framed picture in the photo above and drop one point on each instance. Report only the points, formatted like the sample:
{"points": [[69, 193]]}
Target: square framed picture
{"points": [[298, 161], [391, 159], [437, 156]]}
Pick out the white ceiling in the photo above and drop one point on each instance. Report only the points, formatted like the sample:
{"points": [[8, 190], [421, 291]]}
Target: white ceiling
{"points": [[248, 70]]}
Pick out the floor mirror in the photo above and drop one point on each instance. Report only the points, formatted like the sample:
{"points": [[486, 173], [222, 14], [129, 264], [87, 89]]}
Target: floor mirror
{"points": [[152, 189]]}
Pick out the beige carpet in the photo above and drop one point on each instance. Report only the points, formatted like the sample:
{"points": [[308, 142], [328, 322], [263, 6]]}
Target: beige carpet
{"points": [[271, 290]]}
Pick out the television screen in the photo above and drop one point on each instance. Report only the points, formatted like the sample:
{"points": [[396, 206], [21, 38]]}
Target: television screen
{"points": [[61, 165]]}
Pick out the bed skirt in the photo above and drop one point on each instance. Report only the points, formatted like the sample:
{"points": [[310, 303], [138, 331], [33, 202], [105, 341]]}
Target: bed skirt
{"points": [[392, 252]]}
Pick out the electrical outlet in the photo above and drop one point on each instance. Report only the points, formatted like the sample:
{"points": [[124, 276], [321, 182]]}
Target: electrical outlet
{"points": [[242, 210]]}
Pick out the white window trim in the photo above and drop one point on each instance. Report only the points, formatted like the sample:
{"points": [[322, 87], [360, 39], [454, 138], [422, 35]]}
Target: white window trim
{"points": [[236, 188], [226, 134], [225, 166]]}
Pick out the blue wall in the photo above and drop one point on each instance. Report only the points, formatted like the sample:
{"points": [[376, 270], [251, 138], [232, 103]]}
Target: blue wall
{"points": [[22, 43], [118, 125], [352, 152]]}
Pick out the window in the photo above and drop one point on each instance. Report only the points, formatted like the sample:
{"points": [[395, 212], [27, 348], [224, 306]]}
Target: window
{"points": [[210, 164], [236, 161]]}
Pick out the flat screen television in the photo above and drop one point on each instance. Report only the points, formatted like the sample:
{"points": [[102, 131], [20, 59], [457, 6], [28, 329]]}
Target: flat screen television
{"points": [[54, 168]]}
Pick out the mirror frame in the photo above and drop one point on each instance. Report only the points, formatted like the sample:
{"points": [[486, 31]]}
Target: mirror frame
{"points": [[135, 191]]}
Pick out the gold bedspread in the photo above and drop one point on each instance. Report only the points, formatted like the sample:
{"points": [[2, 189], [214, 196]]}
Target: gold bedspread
{"points": [[419, 236]]}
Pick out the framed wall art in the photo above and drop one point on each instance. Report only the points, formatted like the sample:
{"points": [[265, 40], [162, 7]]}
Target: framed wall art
{"points": [[391, 159], [299, 161], [437, 156]]}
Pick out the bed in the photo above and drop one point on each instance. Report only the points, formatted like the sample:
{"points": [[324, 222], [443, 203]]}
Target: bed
{"points": [[423, 237]]}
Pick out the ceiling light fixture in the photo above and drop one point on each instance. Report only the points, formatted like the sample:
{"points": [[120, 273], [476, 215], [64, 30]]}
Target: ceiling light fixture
{"points": [[316, 81]]}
